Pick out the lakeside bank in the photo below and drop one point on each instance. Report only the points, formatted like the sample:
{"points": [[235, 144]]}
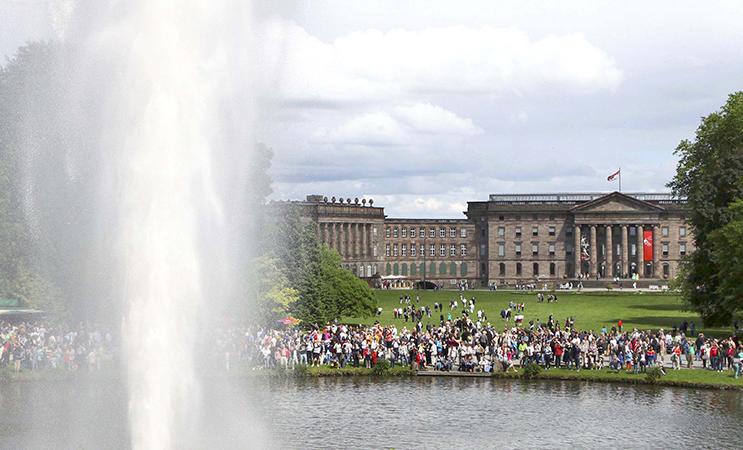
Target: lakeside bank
{"points": [[686, 378]]}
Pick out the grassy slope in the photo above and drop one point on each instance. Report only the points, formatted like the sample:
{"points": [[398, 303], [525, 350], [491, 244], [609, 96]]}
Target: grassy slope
{"points": [[590, 310]]}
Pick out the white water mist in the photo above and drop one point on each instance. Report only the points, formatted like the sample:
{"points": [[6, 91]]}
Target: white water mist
{"points": [[176, 129]]}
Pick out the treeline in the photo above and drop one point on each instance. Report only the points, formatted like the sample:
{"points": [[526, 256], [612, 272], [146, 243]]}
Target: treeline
{"points": [[298, 276], [710, 175]]}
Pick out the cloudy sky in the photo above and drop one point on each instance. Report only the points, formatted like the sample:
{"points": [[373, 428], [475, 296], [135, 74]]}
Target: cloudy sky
{"points": [[424, 105]]}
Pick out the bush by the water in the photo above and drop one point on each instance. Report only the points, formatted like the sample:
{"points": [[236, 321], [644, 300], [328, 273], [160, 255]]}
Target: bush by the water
{"points": [[653, 374], [382, 367], [531, 370]]}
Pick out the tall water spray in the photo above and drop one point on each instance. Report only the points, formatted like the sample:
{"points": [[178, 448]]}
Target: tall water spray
{"points": [[176, 129]]}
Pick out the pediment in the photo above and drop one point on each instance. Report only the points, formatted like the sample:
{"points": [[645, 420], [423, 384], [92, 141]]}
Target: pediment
{"points": [[617, 202]]}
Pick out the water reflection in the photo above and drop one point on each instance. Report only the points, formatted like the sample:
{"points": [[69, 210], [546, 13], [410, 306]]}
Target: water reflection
{"points": [[400, 413]]}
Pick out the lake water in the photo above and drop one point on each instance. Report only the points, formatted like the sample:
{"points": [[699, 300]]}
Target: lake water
{"points": [[400, 413]]}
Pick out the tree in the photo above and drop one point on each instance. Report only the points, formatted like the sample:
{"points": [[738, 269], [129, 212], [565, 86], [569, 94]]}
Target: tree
{"points": [[727, 254], [710, 175], [274, 294]]}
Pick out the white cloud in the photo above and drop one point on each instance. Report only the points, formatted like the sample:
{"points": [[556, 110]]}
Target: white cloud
{"points": [[375, 128], [373, 66], [431, 119]]}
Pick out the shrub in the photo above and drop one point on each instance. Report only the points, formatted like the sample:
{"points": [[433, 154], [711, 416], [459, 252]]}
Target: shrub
{"points": [[653, 374], [382, 367], [531, 370]]}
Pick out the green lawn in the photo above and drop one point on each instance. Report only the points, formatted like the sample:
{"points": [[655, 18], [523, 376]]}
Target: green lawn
{"points": [[590, 310]]}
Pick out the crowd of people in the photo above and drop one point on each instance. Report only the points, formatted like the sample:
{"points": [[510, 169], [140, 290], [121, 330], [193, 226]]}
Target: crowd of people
{"points": [[461, 339], [468, 342], [39, 345]]}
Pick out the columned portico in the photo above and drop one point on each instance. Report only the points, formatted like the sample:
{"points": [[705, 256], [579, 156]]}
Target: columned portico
{"points": [[594, 252], [640, 248], [609, 266], [625, 251]]}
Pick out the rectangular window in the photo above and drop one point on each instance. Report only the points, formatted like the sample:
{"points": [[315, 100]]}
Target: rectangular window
{"points": [[518, 249], [452, 232], [664, 247], [452, 250], [422, 250], [432, 250], [682, 249], [518, 232], [483, 251], [518, 269], [412, 233], [374, 252], [404, 232], [569, 231], [552, 249], [394, 250], [633, 231], [534, 249], [502, 269], [463, 249], [394, 232], [633, 250], [501, 218], [535, 231], [552, 231], [501, 232], [682, 232], [442, 250], [404, 250], [387, 250], [432, 232], [442, 232], [463, 232], [552, 269], [568, 248], [664, 231], [422, 233], [413, 251], [501, 249], [387, 232]]}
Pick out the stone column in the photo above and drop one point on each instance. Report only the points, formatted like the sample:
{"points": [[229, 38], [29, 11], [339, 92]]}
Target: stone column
{"points": [[640, 262], [331, 235], [609, 251], [357, 240], [656, 251], [325, 238], [625, 250], [577, 250], [342, 239], [364, 241], [370, 240], [594, 251]]}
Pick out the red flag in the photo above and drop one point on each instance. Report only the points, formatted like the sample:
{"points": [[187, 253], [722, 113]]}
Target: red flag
{"points": [[614, 175], [647, 245]]}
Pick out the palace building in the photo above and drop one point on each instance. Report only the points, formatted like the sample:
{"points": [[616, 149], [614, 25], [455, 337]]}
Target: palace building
{"points": [[509, 238]]}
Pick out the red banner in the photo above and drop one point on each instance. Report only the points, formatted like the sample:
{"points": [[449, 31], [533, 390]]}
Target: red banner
{"points": [[647, 245]]}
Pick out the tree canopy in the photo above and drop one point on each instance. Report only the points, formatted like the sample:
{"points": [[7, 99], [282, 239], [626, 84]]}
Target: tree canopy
{"points": [[710, 175]]}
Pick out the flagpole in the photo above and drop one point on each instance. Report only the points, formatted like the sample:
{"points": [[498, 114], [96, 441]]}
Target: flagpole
{"points": [[620, 179]]}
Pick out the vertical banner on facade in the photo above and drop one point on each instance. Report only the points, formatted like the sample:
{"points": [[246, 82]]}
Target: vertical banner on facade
{"points": [[647, 245]]}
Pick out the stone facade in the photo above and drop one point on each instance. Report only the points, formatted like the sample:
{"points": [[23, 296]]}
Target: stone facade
{"points": [[509, 238]]}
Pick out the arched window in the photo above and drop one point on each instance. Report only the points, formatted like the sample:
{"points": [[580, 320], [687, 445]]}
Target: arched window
{"points": [[395, 269], [442, 269], [404, 269], [535, 269], [422, 268], [463, 269], [388, 269], [553, 269], [502, 269], [432, 269], [413, 268], [518, 269], [452, 269], [361, 270], [369, 271]]}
